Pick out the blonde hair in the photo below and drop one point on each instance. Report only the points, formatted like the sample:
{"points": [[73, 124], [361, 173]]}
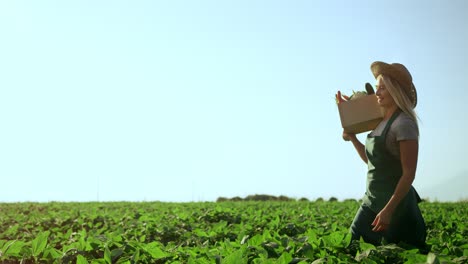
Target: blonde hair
{"points": [[399, 96]]}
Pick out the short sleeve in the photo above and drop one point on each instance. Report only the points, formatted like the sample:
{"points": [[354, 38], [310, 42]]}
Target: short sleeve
{"points": [[406, 129]]}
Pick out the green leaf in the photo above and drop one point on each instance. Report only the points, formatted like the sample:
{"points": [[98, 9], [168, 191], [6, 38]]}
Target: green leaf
{"points": [[107, 256], [39, 243], [155, 251], [365, 246], [432, 259], [312, 236], [115, 253], [347, 239], [200, 233], [320, 261], [334, 239], [51, 253], [98, 261], [285, 258], [136, 256], [81, 260], [255, 241], [235, 258], [12, 248], [244, 239], [125, 260]]}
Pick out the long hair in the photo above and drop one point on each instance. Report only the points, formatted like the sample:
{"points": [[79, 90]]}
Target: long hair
{"points": [[399, 96]]}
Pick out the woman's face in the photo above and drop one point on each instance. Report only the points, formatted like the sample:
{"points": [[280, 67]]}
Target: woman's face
{"points": [[383, 96]]}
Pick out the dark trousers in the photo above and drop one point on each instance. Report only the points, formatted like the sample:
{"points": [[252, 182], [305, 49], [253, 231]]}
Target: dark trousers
{"points": [[407, 225]]}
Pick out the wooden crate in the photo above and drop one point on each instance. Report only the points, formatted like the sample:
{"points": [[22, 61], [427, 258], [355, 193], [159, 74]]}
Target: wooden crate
{"points": [[361, 114]]}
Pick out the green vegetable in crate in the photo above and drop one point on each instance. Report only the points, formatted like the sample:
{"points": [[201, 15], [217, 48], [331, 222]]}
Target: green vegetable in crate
{"points": [[357, 94], [339, 97]]}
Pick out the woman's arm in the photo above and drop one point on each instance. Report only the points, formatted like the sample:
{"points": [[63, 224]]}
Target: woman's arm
{"points": [[409, 160], [357, 145]]}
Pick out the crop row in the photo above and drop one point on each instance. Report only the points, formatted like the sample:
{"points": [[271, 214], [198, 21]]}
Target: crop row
{"points": [[227, 232]]}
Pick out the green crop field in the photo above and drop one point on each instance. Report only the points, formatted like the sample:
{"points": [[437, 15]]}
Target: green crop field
{"points": [[214, 232]]}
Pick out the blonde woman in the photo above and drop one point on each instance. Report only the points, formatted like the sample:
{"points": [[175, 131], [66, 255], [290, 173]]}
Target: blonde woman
{"points": [[390, 209]]}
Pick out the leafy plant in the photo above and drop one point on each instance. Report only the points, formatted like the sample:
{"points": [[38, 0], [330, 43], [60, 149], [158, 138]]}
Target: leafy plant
{"points": [[274, 231]]}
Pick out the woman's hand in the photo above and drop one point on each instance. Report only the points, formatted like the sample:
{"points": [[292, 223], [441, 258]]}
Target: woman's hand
{"points": [[348, 136], [382, 221]]}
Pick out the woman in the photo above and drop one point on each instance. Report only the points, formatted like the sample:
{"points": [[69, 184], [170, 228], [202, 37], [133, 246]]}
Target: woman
{"points": [[390, 209]]}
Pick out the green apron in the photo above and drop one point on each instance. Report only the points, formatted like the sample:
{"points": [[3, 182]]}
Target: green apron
{"points": [[384, 172]]}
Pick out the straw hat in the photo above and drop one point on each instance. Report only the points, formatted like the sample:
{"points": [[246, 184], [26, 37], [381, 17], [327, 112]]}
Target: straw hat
{"points": [[399, 73]]}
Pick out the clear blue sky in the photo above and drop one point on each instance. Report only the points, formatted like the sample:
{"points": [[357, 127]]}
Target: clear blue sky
{"points": [[193, 100]]}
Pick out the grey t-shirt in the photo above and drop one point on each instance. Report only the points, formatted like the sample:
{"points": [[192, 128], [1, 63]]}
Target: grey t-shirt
{"points": [[403, 128]]}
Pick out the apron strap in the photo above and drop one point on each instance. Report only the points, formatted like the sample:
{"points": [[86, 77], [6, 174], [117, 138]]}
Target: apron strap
{"points": [[390, 122]]}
